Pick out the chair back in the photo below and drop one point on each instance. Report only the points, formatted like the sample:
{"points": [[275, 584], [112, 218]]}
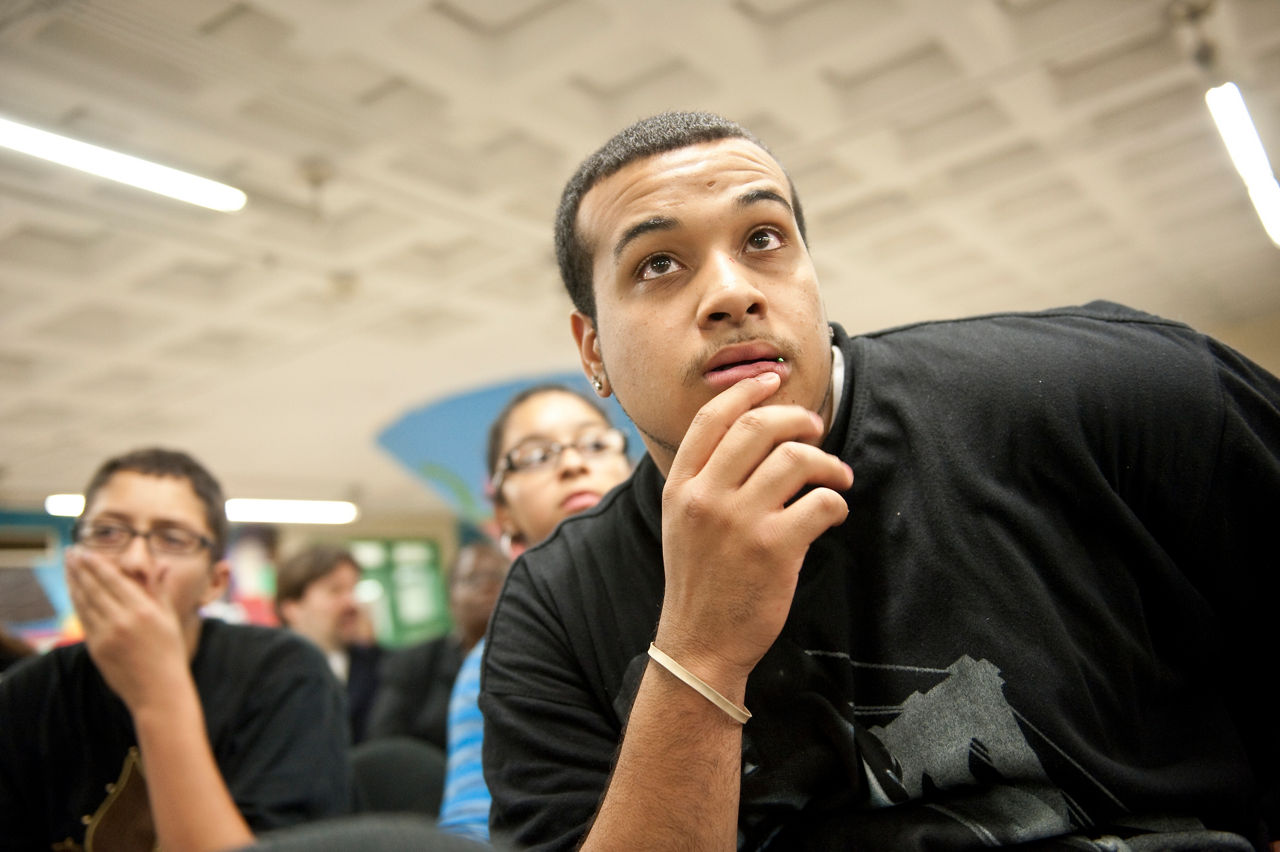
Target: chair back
{"points": [[397, 775]]}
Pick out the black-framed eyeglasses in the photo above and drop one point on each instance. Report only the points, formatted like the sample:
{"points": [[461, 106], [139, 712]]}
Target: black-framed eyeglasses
{"points": [[543, 455], [114, 537]]}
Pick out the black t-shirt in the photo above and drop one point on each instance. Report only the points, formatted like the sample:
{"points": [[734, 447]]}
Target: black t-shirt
{"points": [[1046, 614], [413, 696], [364, 681], [275, 716]]}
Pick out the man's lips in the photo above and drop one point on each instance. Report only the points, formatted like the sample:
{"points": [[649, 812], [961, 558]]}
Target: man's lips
{"points": [[732, 364]]}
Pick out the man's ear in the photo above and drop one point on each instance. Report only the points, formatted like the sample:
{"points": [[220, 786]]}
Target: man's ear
{"points": [[584, 333], [219, 580], [287, 610]]}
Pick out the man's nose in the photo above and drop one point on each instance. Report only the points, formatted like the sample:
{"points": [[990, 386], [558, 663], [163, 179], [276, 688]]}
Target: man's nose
{"points": [[136, 560], [566, 462], [729, 295]]}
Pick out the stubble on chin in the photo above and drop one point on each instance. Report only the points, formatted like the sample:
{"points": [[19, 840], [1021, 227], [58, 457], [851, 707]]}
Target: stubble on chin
{"points": [[691, 375], [657, 441]]}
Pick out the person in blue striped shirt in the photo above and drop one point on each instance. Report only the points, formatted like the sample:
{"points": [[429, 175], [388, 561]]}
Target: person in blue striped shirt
{"points": [[552, 453]]}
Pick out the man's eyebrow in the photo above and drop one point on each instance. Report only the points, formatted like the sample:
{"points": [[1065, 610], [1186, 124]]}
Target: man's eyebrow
{"points": [[667, 223], [756, 196], [657, 223]]}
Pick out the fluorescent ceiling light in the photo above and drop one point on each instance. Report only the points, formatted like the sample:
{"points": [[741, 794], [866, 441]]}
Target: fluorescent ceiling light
{"points": [[241, 510], [124, 168], [64, 505], [1229, 112]]}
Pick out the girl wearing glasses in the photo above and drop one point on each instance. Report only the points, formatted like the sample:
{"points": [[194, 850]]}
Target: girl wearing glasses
{"points": [[552, 453]]}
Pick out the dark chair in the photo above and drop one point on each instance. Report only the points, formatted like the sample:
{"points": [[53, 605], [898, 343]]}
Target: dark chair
{"points": [[397, 775]]}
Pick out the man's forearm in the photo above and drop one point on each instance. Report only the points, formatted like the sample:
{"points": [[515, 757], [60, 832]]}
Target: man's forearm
{"points": [[190, 803], [678, 775]]}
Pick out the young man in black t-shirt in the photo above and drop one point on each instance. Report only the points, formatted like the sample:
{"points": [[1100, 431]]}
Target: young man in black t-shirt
{"points": [[1038, 617]]}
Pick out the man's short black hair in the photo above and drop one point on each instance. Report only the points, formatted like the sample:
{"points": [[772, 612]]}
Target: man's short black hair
{"points": [[657, 134], [154, 461]]}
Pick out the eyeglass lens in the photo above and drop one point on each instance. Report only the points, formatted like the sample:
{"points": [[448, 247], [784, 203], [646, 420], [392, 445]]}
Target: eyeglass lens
{"points": [[113, 538]]}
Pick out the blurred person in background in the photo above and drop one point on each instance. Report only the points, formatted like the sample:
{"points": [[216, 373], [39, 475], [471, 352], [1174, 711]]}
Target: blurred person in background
{"points": [[551, 453], [316, 598], [163, 728], [413, 698]]}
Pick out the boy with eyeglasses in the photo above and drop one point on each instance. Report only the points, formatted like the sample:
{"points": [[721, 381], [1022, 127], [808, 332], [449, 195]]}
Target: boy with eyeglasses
{"points": [[163, 726]]}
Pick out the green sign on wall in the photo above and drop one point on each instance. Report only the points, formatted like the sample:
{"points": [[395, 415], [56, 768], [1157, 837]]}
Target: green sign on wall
{"points": [[403, 586]]}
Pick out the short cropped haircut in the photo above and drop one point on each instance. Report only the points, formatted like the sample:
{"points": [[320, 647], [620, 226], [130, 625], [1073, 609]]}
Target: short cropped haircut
{"points": [[295, 574], [493, 452], [657, 134], [154, 461]]}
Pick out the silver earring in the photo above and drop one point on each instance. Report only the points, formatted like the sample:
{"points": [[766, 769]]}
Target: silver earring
{"points": [[597, 384]]}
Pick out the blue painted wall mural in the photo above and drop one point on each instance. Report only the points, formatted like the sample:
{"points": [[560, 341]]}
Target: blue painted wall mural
{"points": [[443, 442]]}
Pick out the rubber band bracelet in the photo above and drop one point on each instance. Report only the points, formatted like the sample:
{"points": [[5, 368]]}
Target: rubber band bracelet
{"points": [[736, 713]]}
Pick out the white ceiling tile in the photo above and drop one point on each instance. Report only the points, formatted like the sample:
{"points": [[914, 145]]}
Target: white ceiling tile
{"points": [[901, 78], [247, 28], [113, 55]]}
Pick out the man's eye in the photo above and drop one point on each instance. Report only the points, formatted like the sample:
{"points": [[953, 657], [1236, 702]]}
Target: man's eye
{"points": [[106, 533], [764, 240], [174, 537], [657, 266], [533, 456]]}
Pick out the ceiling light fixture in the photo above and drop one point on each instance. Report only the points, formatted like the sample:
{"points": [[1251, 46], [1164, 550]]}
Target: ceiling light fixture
{"points": [[64, 505], [124, 168], [1226, 105], [1235, 125], [250, 511], [242, 510]]}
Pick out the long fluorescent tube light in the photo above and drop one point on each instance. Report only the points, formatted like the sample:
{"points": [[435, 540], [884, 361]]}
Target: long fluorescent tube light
{"points": [[124, 168], [245, 510], [1229, 112], [64, 505], [242, 510]]}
